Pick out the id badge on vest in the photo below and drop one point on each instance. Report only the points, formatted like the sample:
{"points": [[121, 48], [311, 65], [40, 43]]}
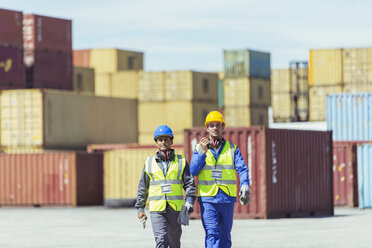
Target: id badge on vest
{"points": [[166, 188], [216, 174]]}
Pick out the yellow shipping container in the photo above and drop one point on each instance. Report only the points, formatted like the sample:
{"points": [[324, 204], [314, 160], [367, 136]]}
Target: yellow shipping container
{"points": [[54, 119], [246, 116], [326, 67], [103, 84], [246, 91], [178, 115], [152, 86], [317, 100], [125, 84], [191, 85], [83, 79], [113, 60], [122, 172], [357, 65], [358, 87], [284, 81], [284, 107]]}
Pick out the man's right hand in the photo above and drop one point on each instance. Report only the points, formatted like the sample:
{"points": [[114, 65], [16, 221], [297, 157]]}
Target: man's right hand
{"points": [[204, 144], [141, 215]]}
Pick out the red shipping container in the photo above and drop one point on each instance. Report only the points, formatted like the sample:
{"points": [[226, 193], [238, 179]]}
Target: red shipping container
{"points": [[81, 58], [11, 68], [290, 170], [51, 179], [11, 28], [52, 70], [42, 32]]}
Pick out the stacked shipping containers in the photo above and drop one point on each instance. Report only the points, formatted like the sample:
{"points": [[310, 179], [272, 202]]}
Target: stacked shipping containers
{"points": [[11, 50], [83, 79], [179, 99], [116, 70], [47, 52], [246, 87], [349, 116]]}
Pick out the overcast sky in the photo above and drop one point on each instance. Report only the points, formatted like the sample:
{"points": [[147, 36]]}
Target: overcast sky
{"points": [[179, 34]]}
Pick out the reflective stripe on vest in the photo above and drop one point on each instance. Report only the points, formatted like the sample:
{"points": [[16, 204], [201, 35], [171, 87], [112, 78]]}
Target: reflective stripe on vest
{"points": [[208, 186], [158, 200]]}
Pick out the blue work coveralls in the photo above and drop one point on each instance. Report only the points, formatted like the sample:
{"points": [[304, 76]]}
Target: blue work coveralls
{"points": [[217, 211]]}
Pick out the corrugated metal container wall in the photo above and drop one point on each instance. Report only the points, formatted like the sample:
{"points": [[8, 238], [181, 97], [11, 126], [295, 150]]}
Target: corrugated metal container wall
{"points": [[38, 119], [113, 60], [81, 57], [365, 175], [325, 67], [247, 91], [283, 82], [246, 63], [103, 84], [284, 106], [83, 79], [246, 116], [357, 63], [358, 87], [56, 178], [283, 183], [49, 69], [42, 32], [318, 99], [152, 86], [11, 67], [125, 84], [191, 85], [349, 116], [122, 172], [345, 176], [11, 28]]}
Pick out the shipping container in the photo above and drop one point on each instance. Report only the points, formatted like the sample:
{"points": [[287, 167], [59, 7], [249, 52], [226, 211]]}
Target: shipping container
{"points": [[51, 179], [357, 65], [191, 85], [103, 84], [326, 67], [365, 175], [349, 116], [11, 28], [52, 119], [358, 87], [49, 69], [12, 72], [83, 79], [220, 89], [125, 84], [284, 183], [246, 91], [189, 114], [152, 86], [345, 176], [81, 58], [246, 63], [122, 172], [245, 116], [284, 81], [284, 107], [113, 60], [318, 99]]}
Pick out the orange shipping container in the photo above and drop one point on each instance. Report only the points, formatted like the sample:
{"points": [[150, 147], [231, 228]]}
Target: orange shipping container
{"points": [[81, 57], [51, 179]]}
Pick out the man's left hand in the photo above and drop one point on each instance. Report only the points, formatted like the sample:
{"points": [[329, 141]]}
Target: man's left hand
{"points": [[245, 195]]}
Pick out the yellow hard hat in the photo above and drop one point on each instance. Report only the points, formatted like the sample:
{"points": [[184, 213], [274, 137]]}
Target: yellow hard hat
{"points": [[214, 116]]}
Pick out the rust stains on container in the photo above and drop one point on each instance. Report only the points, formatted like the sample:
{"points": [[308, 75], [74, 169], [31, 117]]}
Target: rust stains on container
{"points": [[11, 67], [51, 179], [345, 175], [11, 28], [290, 170]]}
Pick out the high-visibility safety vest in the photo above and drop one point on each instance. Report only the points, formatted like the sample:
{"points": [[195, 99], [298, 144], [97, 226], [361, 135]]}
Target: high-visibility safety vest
{"points": [[173, 180], [218, 174]]}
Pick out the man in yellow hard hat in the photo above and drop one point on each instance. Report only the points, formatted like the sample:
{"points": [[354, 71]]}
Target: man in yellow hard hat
{"points": [[164, 178], [215, 161]]}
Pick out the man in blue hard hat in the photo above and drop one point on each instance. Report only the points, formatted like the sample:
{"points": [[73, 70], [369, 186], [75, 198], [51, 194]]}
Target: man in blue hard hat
{"points": [[164, 178]]}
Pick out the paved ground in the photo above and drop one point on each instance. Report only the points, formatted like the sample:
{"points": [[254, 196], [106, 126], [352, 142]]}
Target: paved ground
{"points": [[108, 228]]}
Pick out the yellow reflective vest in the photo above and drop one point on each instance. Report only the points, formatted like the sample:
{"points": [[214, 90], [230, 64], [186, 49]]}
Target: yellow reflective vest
{"points": [[165, 189], [218, 174]]}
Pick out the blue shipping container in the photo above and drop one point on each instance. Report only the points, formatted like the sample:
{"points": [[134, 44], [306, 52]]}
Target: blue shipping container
{"points": [[349, 116], [246, 63], [365, 175]]}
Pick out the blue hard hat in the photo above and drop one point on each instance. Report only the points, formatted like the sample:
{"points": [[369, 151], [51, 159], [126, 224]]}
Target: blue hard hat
{"points": [[163, 130]]}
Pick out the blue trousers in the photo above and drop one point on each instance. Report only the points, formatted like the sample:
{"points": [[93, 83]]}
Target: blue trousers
{"points": [[217, 219]]}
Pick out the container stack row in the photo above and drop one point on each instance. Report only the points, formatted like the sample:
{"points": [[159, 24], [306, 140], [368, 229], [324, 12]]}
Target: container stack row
{"points": [[246, 87]]}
